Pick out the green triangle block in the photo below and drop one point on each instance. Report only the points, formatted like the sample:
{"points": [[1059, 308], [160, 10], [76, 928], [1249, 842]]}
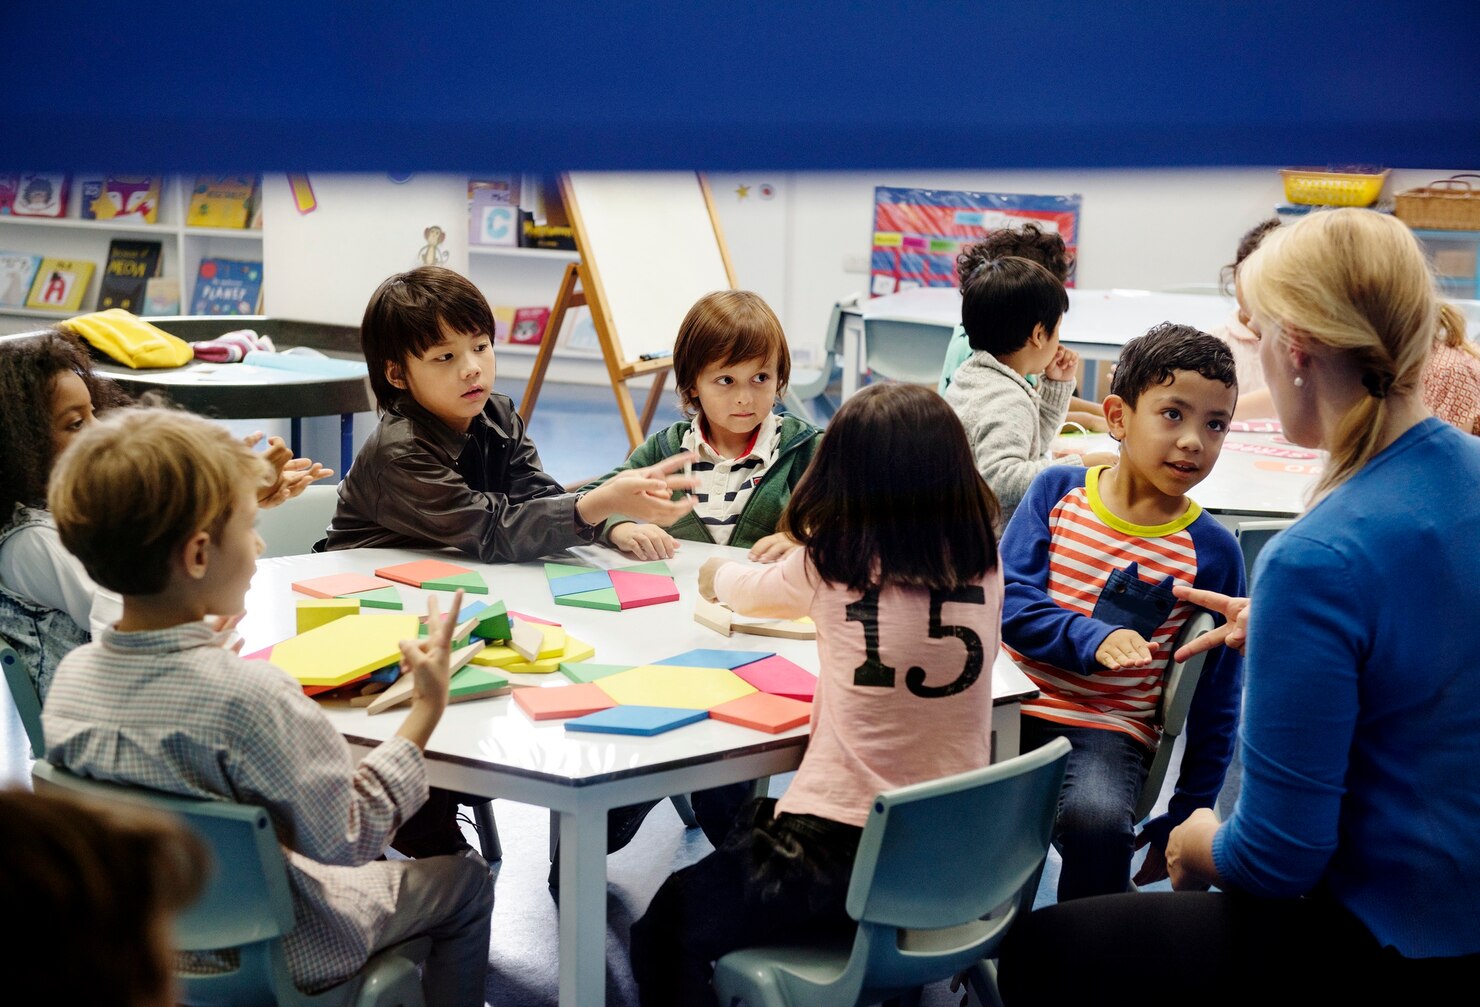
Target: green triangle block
{"points": [[657, 566], [554, 570], [385, 597], [586, 671], [471, 680], [493, 623], [604, 599], [422, 632], [472, 582]]}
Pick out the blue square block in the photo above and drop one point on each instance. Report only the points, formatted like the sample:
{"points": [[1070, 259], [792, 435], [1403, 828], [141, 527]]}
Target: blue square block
{"points": [[579, 583], [712, 658], [641, 720]]}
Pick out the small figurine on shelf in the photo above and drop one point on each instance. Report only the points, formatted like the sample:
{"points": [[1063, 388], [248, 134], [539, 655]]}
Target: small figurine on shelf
{"points": [[432, 253]]}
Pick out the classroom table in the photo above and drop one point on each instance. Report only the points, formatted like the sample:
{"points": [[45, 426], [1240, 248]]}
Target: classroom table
{"points": [[1257, 476], [491, 749], [1097, 325]]}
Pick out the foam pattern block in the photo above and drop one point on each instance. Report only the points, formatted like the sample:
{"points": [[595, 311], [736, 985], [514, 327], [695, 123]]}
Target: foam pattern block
{"points": [[671, 686], [637, 590], [317, 612], [419, 572], [705, 657], [337, 585], [603, 600], [471, 582], [761, 711], [639, 720], [780, 677], [594, 580], [345, 649], [385, 597], [585, 671], [562, 701]]}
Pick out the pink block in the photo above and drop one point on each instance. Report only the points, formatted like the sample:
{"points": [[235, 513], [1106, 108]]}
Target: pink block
{"points": [[420, 571], [562, 701], [634, 590], [529, 618], [336, 584], [780, 677]]}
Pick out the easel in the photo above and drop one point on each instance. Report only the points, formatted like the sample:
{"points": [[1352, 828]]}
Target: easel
{"points": [[581, 287]]}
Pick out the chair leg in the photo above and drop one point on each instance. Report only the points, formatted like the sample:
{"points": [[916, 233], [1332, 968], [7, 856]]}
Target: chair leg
{"points": [[685, 810], [982, 978], [493, 850]]}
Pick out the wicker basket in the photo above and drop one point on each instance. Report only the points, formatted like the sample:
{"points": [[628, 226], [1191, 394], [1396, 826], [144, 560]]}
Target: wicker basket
{"points": [[1450, 204], [1316, 187]]}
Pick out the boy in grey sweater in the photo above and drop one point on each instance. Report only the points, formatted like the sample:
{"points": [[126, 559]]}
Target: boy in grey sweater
{"points": [[1011, 309]]}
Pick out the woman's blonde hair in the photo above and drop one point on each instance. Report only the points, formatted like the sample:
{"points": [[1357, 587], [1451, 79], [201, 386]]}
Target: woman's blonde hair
{"points": [[1452, 329], [1356, 283]]}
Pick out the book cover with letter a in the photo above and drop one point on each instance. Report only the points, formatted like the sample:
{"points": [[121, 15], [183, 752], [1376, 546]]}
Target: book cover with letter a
{"points": [[60, 284]]}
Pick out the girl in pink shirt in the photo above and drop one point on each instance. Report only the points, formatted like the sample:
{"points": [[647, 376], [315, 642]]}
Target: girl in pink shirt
{"points": [[899, 572]]}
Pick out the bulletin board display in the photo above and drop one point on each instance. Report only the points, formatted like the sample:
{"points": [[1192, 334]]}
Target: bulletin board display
{"points": [[919, 232]]}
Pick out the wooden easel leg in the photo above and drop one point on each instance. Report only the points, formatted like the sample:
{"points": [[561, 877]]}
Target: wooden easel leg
{"points": [[635, 430], [563, 301], [650, 407]]}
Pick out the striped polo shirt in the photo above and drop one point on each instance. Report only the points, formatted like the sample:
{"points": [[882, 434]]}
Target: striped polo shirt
{"points": [[725, 484], [1087, 543]]}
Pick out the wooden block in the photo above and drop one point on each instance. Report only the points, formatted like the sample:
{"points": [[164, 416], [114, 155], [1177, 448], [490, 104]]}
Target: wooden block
{"points": [[603, 600], [401, 691], [336, 585], [562, 701], [385, 597], [707, 658], [527, 639], [644, 721], [781, 629], [712, 616], [591, 580], [673, 686], [471, 582], [762, 711], [584, 671], [418, 572], [780, 677], [345, 649], [321, 611], [639, 589]]}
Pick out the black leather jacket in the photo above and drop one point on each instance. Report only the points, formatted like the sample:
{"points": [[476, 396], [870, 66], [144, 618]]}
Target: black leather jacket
{"points": [[419, 484]]}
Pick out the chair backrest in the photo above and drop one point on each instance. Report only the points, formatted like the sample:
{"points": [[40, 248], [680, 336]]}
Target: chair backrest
{"points": [[905, 351], [247, 904], [943, 853], [292, 527], [1178, 686], [23, 692], [1255, 535]]}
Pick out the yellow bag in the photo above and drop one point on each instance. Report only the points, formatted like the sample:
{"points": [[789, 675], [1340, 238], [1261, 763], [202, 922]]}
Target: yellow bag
{"points": [[130, 340]]}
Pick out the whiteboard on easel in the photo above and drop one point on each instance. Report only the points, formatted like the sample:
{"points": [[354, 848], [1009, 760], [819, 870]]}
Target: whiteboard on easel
{"points": [[651, 246]]}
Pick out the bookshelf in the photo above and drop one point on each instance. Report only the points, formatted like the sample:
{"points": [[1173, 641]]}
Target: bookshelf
{"points": [[183, 246]]}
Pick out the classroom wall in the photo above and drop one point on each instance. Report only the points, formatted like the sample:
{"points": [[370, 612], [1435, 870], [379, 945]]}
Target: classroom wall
{"points": [[807, 245]]}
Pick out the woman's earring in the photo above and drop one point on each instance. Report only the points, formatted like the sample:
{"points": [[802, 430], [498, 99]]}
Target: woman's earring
{"points": [[1299, 381]]}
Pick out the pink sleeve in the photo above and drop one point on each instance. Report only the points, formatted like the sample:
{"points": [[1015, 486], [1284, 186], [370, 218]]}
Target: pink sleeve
{"points": [[777, 590]]}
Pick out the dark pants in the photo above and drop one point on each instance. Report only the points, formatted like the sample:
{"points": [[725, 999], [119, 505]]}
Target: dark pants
{"points": [[1217, 948], [1094, 832], [772, 881]]}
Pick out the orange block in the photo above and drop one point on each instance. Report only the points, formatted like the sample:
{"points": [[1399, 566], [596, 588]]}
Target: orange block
{"points": [[762, 711], [562, 701], [418, 573]]}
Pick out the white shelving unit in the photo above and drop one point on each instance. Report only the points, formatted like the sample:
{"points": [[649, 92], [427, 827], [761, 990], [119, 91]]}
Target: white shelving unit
{"points": [[183, 246]]}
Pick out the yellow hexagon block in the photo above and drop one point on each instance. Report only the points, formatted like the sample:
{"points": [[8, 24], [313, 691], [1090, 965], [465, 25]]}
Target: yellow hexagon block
{"points": [[345, 649], [318, 612], [676, 687]]}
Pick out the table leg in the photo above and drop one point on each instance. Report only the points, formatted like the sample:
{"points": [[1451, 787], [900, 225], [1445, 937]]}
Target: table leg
{"points": [[583, 909], [1006, 731], [295, 436], [852, 354], [346, 442]]}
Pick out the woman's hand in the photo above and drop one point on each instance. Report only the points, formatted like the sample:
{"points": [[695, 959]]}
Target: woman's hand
{"points": [[1234, 632], [1190, 852]]}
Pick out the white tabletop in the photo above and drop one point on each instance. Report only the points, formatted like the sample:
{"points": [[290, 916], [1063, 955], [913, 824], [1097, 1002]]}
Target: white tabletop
{"points": [[1258, 475]]}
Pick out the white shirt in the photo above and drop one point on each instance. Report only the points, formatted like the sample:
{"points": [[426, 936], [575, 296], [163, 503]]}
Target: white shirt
{"points": [[725, 484], [35, 566]]}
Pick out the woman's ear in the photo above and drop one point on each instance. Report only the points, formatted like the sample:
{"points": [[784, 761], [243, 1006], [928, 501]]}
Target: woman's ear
{"points": [[194, 557], [395, 374], [1116, 409]]}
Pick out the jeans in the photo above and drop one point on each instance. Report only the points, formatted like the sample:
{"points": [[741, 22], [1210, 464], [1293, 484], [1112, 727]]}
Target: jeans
{"points": [[1094, 832]]}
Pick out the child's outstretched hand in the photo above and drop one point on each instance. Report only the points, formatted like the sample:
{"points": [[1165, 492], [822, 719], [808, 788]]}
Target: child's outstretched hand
{"points": [[1125, 648], [428, 659], [645, 541], [1063, 367], [293, 475], [643, 494], [706, 577], [773, 548]]}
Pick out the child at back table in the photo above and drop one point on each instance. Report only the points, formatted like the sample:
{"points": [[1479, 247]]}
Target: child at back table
{"points": [[896, 538], [450, 463], [159, 506], [1090, 559], [731, 365], [1011, 309]]}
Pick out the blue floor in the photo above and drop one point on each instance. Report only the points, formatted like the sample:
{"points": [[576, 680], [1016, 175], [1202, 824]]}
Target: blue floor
{"points": [[579, 434]]}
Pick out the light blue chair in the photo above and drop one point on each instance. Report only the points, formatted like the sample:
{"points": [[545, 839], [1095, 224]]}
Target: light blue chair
{"points": [[913, 352], [1177, 689], [943, 870], [247, 906], [23, 692], [293, 526], [806, 393], [1255, 535]]}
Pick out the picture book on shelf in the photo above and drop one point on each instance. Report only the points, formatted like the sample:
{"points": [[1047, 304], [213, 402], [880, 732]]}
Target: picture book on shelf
{"points": [[493, 211], [222, 201], [529, 326], [161, 296], [9, 187], [60, 284], [17, 270], [128, 269], [227, 287], [126, 197], [40, 195]]}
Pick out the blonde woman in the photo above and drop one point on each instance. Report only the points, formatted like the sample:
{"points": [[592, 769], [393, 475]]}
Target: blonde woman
{"points": [[1350, 866]]}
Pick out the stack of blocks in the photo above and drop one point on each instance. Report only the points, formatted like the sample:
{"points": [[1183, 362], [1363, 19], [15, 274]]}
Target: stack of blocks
{"points": [[611, 590], [755, 689]]}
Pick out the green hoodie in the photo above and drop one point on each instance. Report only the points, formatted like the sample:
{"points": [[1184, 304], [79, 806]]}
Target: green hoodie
{"points": [[762, 512]]}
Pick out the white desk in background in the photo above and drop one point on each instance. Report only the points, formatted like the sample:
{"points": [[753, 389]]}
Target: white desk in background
{"points": [[490, 748], [1257, 475], [1097, 326]]}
